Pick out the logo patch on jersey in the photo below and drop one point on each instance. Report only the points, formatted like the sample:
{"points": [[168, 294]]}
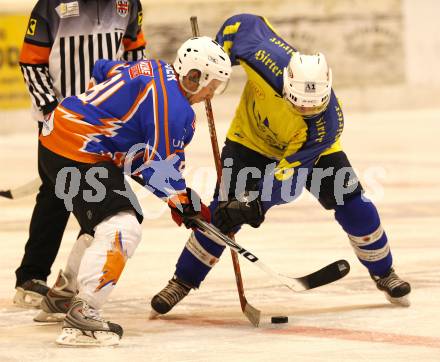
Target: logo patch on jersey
{"points": [[68, 10], [122, 7], [140, 18], [141, 68], [31, 27]]}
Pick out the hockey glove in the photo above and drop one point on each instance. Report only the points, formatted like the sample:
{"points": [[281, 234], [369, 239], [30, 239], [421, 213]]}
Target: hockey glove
{"points": [[187, 207], [232, 213]]}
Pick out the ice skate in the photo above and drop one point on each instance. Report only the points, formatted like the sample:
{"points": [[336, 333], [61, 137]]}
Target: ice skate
{"points": [[30, 293], [168, 297], [56, 303], [84, 327], [396, 290]]}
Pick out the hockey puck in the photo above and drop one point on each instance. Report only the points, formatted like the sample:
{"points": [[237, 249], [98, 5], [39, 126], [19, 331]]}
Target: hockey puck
{"points": [[279, 319]]}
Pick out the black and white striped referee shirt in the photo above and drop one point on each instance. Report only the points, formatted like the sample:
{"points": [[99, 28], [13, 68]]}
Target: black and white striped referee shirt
{"points": [[64, 38]]}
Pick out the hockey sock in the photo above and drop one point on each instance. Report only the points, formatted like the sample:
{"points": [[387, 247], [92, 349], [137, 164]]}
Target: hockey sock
{"points": [[360, 220], [197, 259], [116, 239], [74, 260], [199, 255]]}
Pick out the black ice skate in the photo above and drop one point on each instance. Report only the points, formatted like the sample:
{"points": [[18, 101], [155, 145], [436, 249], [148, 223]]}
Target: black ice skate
{"points": [[396, 290], [30, 293], [84, 327], [56, 303], [168, 297]]}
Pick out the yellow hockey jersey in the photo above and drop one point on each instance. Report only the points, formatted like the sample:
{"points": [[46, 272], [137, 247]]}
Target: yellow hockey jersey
{"points": [[264, 121]]}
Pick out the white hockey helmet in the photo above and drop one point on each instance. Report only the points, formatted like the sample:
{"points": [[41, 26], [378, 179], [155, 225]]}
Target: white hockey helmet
{"points": [[307, 83], [208, 57]]}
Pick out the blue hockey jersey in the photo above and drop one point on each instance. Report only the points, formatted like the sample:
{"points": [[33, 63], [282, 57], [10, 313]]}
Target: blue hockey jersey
{"points": [[136, 115]]}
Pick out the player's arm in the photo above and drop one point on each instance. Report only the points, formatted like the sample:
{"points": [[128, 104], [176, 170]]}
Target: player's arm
{"points": [[231, 34], [164, 177], [34, 60], [105, 69], [134, 40], [239, 34]]}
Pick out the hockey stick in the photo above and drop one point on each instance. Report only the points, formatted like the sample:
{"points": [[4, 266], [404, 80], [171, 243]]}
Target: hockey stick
{"points": [[330, 273], [22, 191], [249, 311], [326, 275]]}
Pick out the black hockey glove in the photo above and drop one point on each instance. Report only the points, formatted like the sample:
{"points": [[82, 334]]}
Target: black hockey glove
{"points": [[232, 213], [187, 207]]}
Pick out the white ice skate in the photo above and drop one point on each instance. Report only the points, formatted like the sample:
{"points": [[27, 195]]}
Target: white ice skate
{"points": [[84, 327]]}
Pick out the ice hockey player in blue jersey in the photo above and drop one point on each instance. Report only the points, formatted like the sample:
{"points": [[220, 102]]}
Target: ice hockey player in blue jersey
{"points": [[136, 119], [287, 129]]}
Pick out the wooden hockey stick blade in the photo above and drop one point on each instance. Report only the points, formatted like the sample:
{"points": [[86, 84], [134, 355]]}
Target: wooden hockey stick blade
{"points": [[22, 191], [251, 313]]}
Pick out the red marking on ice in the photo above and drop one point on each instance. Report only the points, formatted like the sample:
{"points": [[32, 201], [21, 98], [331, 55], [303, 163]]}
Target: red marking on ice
{"points": [[315, 332], [359, 335], [199, 322]]}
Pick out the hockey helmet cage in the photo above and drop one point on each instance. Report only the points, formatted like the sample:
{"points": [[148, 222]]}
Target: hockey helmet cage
{"points": [[307, 83], [208, 57]]}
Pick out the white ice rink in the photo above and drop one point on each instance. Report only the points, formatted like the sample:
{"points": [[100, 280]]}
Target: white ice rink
{"points": [[396, 156]]}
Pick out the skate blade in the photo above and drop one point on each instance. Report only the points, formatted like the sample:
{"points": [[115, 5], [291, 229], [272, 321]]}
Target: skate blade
{"points": [[27, 299], [402, 301], [76, 337], [44, 317], [154, 314]]}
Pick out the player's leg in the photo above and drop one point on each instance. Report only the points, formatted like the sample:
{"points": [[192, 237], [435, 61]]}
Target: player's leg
{"points": [[48, 222], [197, 259], [200, 253], [57, 301], [117, 232], [116, 227], [116, 239], [341, 191]]}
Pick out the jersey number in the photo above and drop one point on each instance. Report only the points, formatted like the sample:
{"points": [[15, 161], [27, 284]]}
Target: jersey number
{"points": [[101, 91]]}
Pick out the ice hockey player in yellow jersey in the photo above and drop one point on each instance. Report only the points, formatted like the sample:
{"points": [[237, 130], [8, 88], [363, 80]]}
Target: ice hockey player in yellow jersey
{"points": [[285, 136]]}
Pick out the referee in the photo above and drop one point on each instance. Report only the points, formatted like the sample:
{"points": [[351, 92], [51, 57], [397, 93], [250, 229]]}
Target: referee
{"points": [[62, 43]]}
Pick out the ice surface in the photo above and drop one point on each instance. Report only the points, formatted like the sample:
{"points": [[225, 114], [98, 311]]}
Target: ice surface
{"points": [[396, 156]]}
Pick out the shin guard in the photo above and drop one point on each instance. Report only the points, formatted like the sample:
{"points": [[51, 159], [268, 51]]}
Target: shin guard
{"points": [[116, 239], [360, 220], [197, 259]]}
